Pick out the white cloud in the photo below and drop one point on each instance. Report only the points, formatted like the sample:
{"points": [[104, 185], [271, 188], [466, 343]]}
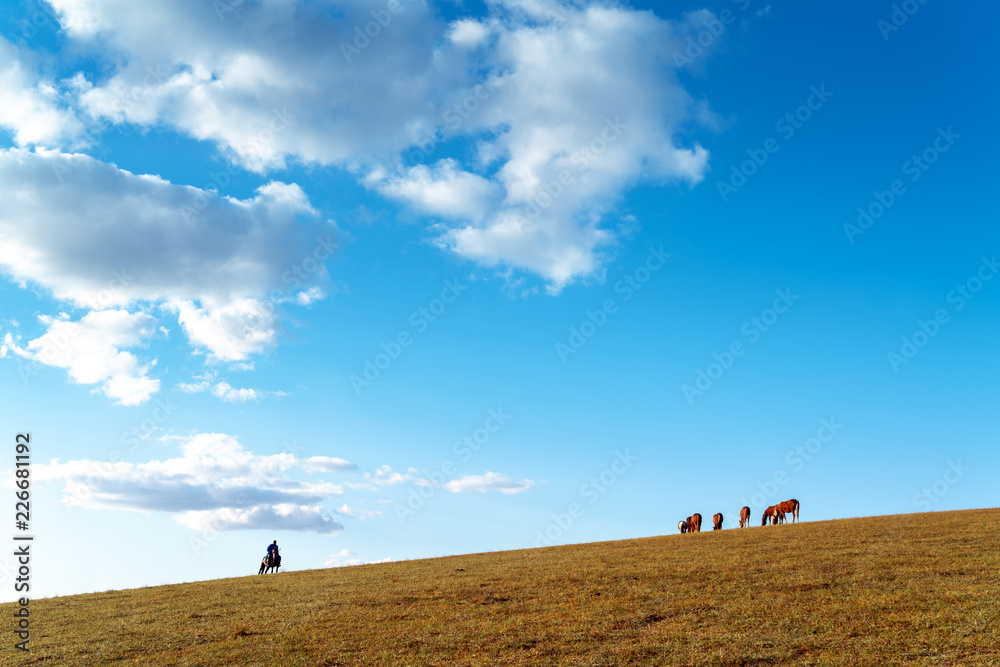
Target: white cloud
{"points": [[444, 190], [533, 87], [326, 464], [467, 32], [92, 350], [231, 394], [358, 513], [310, 296], [346, 557], [342, 558], [99, 237], [31, 107], [269, 81], [193, 387], [148, 241], [230, 332], [214, 482], [386, 476], [205, 382], [491, 481], [588, 106], [301, 518]]}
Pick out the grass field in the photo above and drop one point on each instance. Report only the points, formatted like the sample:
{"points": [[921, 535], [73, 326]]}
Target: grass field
{"points": [[896, 590]]}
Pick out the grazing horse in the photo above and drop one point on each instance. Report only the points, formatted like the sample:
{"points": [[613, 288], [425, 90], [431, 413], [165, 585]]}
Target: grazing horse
{"points": [[745, 517], [682, 526], [717, 521], [271, 561], [695, 523], [790, 507], [771, 513]]}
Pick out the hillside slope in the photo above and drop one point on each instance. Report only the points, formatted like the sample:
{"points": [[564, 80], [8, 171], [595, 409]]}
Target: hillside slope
{"points": [[907, 589]]}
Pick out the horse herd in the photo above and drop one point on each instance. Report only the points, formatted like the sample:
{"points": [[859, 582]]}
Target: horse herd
{"points": [[775, 514]]}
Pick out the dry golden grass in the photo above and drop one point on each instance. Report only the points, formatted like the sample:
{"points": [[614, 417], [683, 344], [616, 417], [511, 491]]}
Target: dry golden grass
{"points": [[899, 590]]}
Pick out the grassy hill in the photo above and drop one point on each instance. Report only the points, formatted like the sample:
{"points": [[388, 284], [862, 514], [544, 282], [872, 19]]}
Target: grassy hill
{"points": [[908, 589]]}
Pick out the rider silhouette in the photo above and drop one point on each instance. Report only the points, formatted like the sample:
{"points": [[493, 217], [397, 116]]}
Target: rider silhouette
{"points": [[273, 546]]}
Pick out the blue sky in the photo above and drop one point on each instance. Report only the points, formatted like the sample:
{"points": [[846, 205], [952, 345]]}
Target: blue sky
{"points": [[568, 217]]}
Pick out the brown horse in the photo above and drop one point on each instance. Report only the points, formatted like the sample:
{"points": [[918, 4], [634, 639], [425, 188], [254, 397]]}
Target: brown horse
{"points": [[695, 523], [771, 513], [790, 507], [271, 561], [682, 526], [767, 515], [717, 521], [745, 517]]}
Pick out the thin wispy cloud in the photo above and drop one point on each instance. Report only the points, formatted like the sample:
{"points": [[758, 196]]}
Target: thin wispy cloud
{"points": [[489, 481]]}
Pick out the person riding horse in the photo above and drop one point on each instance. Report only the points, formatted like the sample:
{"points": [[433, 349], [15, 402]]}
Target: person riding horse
{"points": [[272, 560]]}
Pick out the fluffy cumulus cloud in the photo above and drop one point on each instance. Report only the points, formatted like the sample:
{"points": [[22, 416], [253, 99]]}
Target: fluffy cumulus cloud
{"points": [[214, 484], [515, 132], [490, 481], [582, 103], [93, 351], [32, 109], [101, 238], [268, 80], [444, 190], [563, 106]]}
